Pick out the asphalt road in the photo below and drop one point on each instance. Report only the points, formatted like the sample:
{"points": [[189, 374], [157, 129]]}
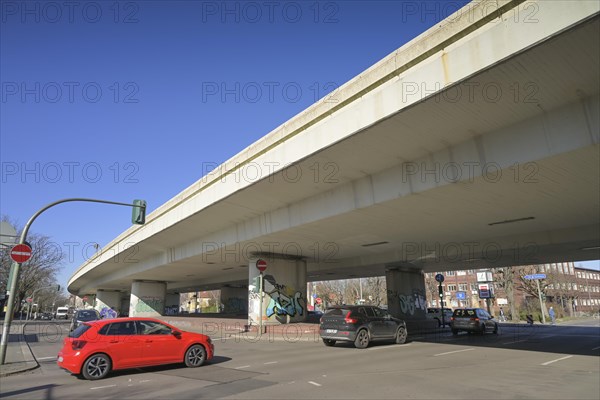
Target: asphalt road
{"points": [[539, 362]]}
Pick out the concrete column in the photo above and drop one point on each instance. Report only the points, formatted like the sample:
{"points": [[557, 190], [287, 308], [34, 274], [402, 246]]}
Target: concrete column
{"points": [[107, 299], [147, 299], [234, 300], [406, 295], [284, 292]]}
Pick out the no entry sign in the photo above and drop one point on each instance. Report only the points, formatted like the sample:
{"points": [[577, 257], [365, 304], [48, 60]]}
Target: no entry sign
{"points": [[20, 253], [261, 265]]}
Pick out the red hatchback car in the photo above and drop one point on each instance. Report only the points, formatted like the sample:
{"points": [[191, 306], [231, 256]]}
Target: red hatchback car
{"points": [[97, 347]]}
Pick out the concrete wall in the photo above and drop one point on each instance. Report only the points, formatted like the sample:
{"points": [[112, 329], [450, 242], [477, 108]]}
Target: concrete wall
{"points": [[147, 299], [284, 292], [234, 300]]}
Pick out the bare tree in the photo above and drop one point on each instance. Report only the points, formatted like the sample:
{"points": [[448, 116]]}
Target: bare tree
{"points": [[504, 278], [40, 271]]}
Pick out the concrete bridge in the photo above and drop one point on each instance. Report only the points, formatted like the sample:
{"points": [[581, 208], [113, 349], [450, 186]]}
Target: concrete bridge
{"points": [[474, 145]]}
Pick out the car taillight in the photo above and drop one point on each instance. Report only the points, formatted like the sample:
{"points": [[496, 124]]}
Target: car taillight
{"points": [[451, 318], [475, 319], [349, 320], [78, 344]]}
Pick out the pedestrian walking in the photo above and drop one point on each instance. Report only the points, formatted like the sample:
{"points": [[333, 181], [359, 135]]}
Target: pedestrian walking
{"points": [[552, 315], [502, 316]]}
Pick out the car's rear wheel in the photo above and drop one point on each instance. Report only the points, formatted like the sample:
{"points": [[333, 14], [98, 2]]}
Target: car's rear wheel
{"points": [[362, 339], [401, 335], [329, 342], [96, 367], [195, 356]]}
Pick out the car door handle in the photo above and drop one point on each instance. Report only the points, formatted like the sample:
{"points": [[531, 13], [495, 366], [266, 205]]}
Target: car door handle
{"points": [[113, 341], [148, 341]]}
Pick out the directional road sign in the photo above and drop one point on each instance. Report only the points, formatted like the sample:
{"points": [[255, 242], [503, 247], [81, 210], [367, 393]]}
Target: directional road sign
{"points": [[535, 276]]}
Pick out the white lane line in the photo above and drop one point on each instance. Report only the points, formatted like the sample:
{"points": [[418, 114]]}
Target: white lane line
{"points": [[46, 358], [558, 359], [452, 352], [145, 380], [516, 341], [243, 366], [314, 383], [388, 347], [102, 387], [271, 362], [596, 348]]}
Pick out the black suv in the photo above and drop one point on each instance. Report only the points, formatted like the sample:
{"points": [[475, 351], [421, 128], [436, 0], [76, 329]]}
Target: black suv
{"points": [[360, 324]]}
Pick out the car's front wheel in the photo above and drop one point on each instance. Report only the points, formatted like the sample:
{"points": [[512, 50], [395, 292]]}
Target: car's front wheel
{"points": [[329, 342], [195, 356], [401, 335], [96, 367], [362, 339]]}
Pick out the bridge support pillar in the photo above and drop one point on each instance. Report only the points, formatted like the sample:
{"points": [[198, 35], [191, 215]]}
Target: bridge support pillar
{"points": [[284, 292], [234, 300], [107, 299], [147, 299], [407, 298]]}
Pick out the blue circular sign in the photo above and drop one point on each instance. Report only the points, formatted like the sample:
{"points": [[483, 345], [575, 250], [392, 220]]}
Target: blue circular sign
{"points": [[439, 278]]}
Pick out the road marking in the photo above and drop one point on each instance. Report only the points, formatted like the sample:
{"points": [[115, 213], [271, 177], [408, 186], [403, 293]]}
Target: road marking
{"points": [[243, 366], [388, 347], [516, 341], [314, 383], [145, 380], [558, 359], [271, 362], [46, 358], [452, 352], [102, 387]]}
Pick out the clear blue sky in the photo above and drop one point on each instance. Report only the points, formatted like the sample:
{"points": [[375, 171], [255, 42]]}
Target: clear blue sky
{"points": [[137, 99]]}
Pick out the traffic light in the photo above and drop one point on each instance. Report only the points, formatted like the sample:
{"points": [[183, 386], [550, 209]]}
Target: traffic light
{"points": [[138, 212]]}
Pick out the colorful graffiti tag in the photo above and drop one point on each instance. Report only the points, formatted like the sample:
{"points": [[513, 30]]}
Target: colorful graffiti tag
{"points": [[283, 301]]}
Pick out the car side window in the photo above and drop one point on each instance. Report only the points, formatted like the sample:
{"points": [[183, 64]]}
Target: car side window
{"points": [[362, 311], [119, 329], [379, 312], [153, 328], [370, 312]]}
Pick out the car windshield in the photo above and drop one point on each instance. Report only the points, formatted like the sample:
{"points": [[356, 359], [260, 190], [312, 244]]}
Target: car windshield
{"points": [[336, 312], [87, 315]]}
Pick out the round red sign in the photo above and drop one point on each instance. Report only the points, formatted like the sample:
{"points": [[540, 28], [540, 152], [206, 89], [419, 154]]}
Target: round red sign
{"points": [[20, 253], [261, 265]]}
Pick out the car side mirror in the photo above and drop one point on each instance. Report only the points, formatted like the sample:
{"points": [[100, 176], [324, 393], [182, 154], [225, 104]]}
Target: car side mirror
{"points": [[175, 333]]}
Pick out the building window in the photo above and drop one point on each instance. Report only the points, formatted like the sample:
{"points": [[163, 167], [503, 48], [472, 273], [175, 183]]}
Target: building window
{"points": [[451, 288], [462, 287], [450, 273]]}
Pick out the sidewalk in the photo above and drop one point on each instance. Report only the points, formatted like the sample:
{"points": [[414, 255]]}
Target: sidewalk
{"points": [[19, 357]]}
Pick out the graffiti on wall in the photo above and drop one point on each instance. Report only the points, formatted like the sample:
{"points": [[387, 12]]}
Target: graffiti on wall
{"points": [[108, 312], [282, 301], [149, 304], [409, 303]]}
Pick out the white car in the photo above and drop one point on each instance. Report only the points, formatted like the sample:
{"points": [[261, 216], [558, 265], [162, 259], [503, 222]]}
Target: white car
{"points": [[62, 313], [436, 313]]}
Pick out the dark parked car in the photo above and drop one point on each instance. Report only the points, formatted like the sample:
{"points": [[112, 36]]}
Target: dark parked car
{"points": [[81, 316], [45, 316], [472, 320], [360, 324]]}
